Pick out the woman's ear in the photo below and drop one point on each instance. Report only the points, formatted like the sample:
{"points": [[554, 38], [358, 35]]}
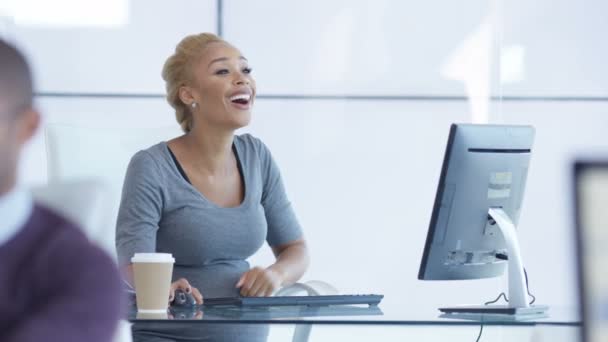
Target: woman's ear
{"points": [[186, 95], [27, 125]]}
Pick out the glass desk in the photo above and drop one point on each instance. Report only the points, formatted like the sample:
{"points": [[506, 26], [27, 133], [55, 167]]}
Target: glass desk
{"points": [[387, 322]]}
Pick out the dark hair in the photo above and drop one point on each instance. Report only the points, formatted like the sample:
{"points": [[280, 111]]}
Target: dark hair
{"points": [[16, 90]]}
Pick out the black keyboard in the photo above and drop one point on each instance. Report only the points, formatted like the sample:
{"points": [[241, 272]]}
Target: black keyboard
{"points": [[368, 299]]}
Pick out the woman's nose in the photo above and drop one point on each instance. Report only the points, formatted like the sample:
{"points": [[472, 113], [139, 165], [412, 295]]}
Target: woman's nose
{"points": [[241, 81]]}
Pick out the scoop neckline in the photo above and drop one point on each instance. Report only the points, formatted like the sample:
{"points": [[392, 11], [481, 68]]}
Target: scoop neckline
{"points": [[241, 170]]}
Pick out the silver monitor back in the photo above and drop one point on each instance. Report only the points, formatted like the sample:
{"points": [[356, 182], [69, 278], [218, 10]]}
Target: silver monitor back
{"points": [[485, 166]]}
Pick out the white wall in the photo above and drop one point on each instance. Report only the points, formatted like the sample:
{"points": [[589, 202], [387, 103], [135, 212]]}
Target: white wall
{"points": [[362, 174], [123, 57]]}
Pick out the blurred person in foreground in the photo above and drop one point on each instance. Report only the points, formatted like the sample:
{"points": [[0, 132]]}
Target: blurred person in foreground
{"points": [[54, 284]]}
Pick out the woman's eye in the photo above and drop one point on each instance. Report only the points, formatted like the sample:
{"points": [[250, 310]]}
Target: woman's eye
{"points": [[247, 70], [221, 72]]}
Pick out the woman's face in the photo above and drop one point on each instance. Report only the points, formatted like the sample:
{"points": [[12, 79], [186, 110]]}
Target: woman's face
{"points": [[224, 89]]}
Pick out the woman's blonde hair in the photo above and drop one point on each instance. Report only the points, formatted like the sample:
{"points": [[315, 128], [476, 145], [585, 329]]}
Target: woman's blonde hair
{"points": [[177, 72]]}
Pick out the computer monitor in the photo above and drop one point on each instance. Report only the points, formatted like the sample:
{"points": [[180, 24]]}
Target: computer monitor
{"points": [[591, 195], [477, 206]]}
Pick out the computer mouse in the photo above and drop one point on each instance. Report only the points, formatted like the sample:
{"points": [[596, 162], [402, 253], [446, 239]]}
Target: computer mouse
{"points": [[183, 300]]}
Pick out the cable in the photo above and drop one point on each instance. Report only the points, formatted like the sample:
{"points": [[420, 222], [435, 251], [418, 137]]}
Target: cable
{"points": [[480, 331], [503, 256], [502, 294], [528, 288]]}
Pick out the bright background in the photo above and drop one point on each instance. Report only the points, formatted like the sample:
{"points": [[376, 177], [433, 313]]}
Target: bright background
{"points": [[355, 101]]}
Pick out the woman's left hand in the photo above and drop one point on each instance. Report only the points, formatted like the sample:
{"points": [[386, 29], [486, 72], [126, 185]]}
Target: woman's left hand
{"points": [[259, 282]]}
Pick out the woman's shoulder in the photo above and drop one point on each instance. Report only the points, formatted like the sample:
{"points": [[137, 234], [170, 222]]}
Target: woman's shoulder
{"points": [[153, 155], [251, 144]]}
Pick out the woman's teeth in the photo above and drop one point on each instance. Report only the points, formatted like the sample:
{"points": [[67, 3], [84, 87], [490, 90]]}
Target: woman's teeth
{"points": [[240, 98]]}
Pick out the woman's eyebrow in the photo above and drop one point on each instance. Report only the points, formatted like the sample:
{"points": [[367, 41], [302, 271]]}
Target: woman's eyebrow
{"points": [[222, 59]]}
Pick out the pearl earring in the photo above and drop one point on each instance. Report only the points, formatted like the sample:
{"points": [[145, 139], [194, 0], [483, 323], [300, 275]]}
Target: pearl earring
{"points": [[193, 105]]}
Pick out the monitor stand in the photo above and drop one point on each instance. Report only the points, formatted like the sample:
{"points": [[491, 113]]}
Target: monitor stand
{"points": [[517, 293]]}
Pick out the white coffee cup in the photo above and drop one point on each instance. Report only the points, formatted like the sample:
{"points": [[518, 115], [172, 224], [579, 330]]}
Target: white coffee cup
{"points": [[152, 274]]}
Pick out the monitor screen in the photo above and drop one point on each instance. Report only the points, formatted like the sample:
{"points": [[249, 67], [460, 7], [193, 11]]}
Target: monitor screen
{"points": [[591, 191], [485, 166]]}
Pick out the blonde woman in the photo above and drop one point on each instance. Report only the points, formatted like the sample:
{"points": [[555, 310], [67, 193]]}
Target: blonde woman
{"points": [[210, 197]]}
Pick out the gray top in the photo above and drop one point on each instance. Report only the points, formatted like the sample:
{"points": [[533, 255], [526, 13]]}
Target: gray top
{"points": [[160, 211]]}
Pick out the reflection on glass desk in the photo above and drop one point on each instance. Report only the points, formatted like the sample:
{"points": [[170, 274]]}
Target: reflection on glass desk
{"points": [[388, 322], [272, 313], [388, 313], [183, 330]]}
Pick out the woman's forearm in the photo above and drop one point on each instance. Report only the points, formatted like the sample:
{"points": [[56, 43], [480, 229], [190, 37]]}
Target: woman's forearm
{"points": [[291, 263]]}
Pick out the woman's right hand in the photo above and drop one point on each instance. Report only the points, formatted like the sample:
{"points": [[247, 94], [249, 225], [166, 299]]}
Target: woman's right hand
{"points": [[185, 286]]}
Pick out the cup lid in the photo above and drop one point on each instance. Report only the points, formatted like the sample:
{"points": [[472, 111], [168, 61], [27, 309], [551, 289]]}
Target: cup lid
{"points": [[153, 257]]}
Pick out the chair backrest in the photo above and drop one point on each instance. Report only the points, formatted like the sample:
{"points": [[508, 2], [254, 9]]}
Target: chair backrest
{"points": [[77, 153], [83, 202]]}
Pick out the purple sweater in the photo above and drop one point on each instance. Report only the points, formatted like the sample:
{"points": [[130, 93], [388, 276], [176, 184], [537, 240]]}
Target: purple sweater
{"points": [[55, 285]]}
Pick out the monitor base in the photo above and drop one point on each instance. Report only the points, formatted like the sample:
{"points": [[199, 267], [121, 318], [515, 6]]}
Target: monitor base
{"points": [[532, 310]]}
